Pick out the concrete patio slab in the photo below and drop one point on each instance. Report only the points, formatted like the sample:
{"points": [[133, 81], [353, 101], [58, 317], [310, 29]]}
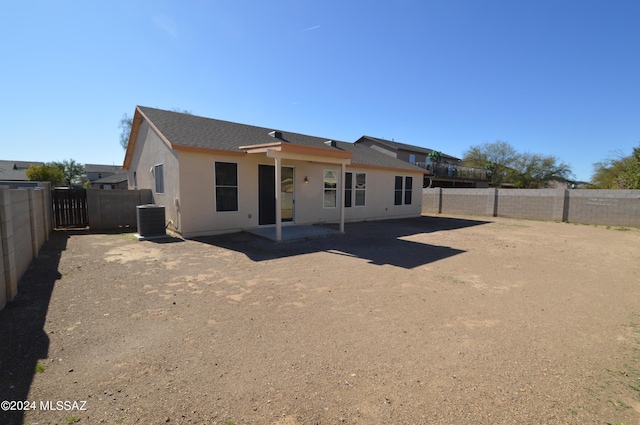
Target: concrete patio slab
{"points": [[294, 233]]}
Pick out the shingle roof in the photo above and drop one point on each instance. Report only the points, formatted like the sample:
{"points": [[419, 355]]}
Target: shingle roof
{"points": [[116, 178], [403, 146], [98, 168], [208, 133], [16, 170]]}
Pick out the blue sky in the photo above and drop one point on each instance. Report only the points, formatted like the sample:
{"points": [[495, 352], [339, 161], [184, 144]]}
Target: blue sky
{"points": [[557, 77]]}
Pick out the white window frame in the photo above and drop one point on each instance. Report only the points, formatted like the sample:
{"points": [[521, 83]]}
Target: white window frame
{"points": [[403, 190], [362, 190], [326, 190], [216, 186], [407, 190], [158, 169]]}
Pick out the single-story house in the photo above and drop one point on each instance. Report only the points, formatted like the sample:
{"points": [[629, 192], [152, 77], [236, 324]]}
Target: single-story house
{"points": [[216, 176]]}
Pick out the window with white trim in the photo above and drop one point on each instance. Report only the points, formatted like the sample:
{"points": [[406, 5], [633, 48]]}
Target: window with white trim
{"points": [[408, 190], [226, 186], [361, 186], [348, 190], [330, 188], [403, 190], [354, 189], [158, 174]]}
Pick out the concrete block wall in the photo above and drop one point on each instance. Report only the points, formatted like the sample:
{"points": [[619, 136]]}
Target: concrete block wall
{"points": [[431, 200], [538, 204], [468, 201], [25, 223], [21, 230], [7, 278], [603, 207], [3, 285], [115, 209]]}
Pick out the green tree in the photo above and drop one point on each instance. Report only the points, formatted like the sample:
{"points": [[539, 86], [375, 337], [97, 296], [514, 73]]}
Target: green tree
{"points": [[622, 172], [498, 157], [532, 171], [45, 173], [436, 158], [125, 129], [71, 170], [632, 175], [523, 170]]}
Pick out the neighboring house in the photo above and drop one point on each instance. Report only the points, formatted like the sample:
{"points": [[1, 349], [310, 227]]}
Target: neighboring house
{"points": [[216, 176], [450, 172], [115, 181], [16, 170], [96, 172]]}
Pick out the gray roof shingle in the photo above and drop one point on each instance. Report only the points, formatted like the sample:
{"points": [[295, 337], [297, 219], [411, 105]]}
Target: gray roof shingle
{"points": [[16, 170], [208, 133], [115, 178], [410, 148], [99, 168]]}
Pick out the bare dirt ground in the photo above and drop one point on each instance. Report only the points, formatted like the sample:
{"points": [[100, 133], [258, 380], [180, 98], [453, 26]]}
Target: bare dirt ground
{"points": [[433, 320]]}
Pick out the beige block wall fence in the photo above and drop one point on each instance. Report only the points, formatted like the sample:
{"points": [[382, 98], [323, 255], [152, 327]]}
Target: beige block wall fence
{"points": [[26, 220], [601, 207], [115, 209]]}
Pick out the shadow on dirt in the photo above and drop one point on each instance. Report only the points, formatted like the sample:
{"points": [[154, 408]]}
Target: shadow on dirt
{"points": [[380, 242], [23, 341]]}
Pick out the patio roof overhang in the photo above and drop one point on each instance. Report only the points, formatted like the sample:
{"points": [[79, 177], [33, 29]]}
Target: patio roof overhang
{"points": [[293, 151], [284, 150]]}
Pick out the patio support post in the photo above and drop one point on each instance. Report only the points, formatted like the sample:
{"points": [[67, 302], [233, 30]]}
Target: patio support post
{"points": [[341, 198], [278, 179]]}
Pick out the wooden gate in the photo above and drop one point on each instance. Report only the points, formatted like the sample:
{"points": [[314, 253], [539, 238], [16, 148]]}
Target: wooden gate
{"points": [[70, 207]]}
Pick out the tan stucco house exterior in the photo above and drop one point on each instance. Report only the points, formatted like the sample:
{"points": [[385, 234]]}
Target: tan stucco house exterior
{"points": [[216, 176]]}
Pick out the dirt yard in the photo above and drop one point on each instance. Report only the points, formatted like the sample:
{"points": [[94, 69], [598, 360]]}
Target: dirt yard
{"points": [[433, 320]]}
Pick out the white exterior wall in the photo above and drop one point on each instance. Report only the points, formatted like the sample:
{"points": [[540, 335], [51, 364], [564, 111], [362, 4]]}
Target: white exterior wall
{"points": [[197, 202], [198, 214], [379, 196], [150, 151], [189, 189]]}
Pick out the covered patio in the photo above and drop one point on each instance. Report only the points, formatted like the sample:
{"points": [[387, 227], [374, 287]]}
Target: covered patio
{"points": [[295, 233], [280, 150]]}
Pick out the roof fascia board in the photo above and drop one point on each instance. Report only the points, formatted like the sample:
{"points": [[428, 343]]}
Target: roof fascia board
{"points": [[133, 137], [313, 150], [207, 150], [260, 148], [310, 151], [275, 153], [383, 168], [158, 132], [138, 117]]}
